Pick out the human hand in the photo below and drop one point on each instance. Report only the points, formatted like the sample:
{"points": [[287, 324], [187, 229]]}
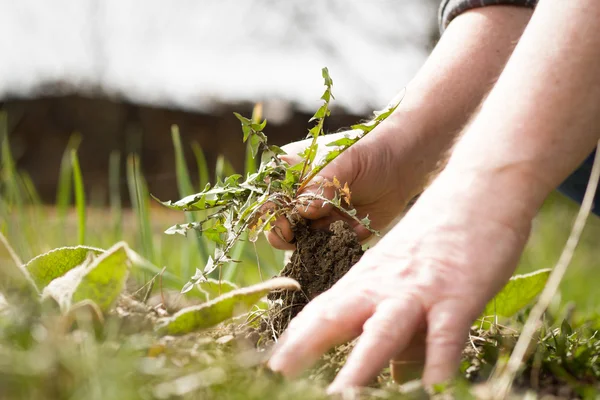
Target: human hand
{"points": [[414, 296], [383, 171], [392, 164]]}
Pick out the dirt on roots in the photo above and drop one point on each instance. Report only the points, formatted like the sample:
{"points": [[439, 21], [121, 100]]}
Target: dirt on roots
{"points": [[321, 258]]}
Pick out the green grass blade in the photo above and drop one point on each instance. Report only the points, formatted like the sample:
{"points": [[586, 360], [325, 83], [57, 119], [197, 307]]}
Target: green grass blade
{"points": [[114, 184], [250, 164], [232, 268], [30, 190], [65, 178], [184, 184], [223, 168], [9, 178], [138, 193], [79, 197], [220, 168], [203, 172]]}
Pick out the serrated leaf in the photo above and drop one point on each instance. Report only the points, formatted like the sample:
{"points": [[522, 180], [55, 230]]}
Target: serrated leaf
{"points": [[100, 280], [55, 263], [325, 74], [518, 293], [322, 112], [314, 132], [345, 141], [276, 150], [214, 233], [243, 120], [259, 126], [210, 266], [255, 143], [222, 308], [187, 287], [182, 229]]}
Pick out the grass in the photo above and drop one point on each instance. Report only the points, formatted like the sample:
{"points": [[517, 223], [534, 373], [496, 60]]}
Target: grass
{"points": [[38, 360]]}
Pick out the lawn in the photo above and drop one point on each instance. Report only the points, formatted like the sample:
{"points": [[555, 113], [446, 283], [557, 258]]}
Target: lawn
{"points": [[118, 354]]}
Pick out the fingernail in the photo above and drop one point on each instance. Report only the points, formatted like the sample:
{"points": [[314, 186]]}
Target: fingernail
{"points": [[333, 389], [338, 388], [275, 363]]}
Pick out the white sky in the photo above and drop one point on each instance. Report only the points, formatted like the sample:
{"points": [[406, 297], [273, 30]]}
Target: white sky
{"points": [[190, 53]]}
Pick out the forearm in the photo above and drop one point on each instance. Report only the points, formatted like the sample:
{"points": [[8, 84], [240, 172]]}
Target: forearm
{"points": [[449, 87], [541, 119]]}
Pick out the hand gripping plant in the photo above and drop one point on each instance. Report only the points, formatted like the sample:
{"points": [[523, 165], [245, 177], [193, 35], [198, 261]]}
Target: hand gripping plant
{"points": [[235, 206]]}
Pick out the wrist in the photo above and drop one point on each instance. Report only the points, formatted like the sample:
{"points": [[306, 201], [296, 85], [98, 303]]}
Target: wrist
{"points": [[510, 196], [416, 138]]}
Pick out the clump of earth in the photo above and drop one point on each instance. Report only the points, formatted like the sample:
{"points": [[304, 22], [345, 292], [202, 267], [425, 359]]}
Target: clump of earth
{"points": [[321, 258]]}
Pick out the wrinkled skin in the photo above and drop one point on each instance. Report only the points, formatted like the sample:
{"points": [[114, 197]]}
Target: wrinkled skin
{"points": [[416, 293], [420, 286], [358, 166]]}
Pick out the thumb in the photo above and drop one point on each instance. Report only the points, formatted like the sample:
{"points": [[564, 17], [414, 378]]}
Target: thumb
{"points": [[325, 185]]}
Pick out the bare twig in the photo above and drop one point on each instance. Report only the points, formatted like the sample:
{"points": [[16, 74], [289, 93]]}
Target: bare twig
{"points": [[11, 252], [502, 380]]}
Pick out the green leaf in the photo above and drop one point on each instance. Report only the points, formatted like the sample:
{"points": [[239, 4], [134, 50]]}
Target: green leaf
{"points": [[214, 288], [250, 164], [254, 145], [344, 142], [276, 150], [322, 112], [326, 77], [105, 278], [259, 126], [61, 289], [222, 308], [55, 263], [100, 280], [215, 233], [518, 292], [181, 229]]}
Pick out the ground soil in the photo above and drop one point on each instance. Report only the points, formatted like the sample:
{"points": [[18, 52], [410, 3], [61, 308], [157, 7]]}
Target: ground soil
{"points": [[321, 258]]}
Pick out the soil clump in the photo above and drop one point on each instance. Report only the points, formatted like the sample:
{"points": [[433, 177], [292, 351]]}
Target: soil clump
{"points": [[321, 258]]}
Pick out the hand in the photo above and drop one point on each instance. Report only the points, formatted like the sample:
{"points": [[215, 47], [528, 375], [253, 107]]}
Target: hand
{"points": [[392, 164], [414, 295], [384, 170]]}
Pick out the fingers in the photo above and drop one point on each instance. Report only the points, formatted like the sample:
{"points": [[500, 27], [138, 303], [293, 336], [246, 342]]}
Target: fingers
{"points": [[322, 324], [409, 364], [312, 208], [362, 233], [281, 235], [448, 326], [385, 334]]}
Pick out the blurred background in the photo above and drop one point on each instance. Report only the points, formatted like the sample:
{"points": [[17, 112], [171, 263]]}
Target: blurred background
{"points": [[120, 72], [90, 90]]}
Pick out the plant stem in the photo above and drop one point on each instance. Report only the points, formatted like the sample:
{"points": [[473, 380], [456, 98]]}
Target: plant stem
{"points": [[501, 382]]}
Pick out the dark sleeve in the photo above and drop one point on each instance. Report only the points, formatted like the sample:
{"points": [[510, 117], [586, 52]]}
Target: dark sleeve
{"points": [[449, 9]]}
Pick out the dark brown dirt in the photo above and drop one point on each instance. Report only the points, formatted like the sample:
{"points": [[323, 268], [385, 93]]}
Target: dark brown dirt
{"points": [[320, 260]]}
